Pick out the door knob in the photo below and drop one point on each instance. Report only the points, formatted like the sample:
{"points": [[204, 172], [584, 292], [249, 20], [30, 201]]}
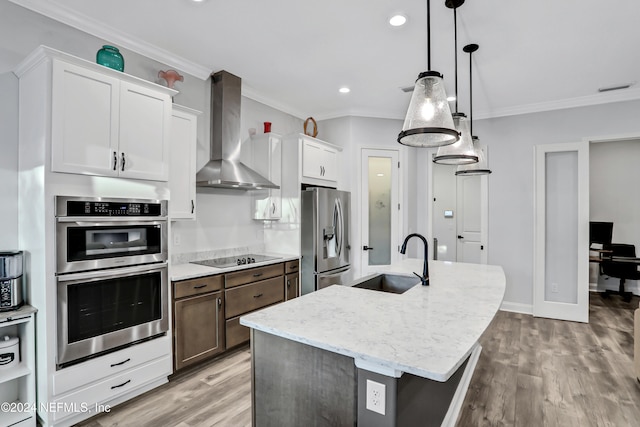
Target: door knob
{"points": [[367, 248]]}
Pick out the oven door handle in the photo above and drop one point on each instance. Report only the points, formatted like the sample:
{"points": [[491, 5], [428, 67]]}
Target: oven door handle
{"points": [[102, 220], [112, 272]]}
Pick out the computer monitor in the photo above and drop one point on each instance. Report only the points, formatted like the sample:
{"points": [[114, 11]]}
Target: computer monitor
{"points": [[600, 232]]}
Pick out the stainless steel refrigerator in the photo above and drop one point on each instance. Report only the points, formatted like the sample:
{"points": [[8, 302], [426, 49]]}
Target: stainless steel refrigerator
{"points": [[325, 238]]}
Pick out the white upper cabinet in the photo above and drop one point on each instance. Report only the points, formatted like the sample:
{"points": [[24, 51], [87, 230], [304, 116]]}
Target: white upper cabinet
{"points": [[319, 162], [84, 125], [266, 159], [109, 124], [145, 119], [182, 172]]}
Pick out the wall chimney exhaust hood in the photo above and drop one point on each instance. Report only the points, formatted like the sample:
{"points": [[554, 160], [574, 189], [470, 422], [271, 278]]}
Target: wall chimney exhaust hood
{"points": [[225, 170]]}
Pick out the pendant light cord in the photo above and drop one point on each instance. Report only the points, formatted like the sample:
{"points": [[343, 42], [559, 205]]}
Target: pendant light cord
{"points": [[455, 47], [428, 35], [470, 92]]}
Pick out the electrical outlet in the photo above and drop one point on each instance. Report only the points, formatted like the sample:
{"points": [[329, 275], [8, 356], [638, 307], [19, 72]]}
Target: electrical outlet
{"points": [[554, 288], [376, 397], [176, 239]]}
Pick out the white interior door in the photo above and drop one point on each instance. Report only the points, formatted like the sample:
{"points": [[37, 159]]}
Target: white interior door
{"points": [[561, 235], [380, 213], [471, 223], [459, 213]]}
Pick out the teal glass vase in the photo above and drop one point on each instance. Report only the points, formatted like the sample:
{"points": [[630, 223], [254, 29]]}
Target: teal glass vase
{"points": [[111, 57]]}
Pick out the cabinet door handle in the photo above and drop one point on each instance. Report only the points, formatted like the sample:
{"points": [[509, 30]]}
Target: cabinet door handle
{"points": [[199, 286], [193, 206], [257, 296], [219, 302], [121, 363], [288, 283], [273, 208], [123, 160], [258, 274], [291, 267], [115, 160], [121, 385]]}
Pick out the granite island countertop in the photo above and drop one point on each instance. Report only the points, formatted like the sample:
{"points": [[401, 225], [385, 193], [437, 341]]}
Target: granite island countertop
{"points": [[189, 270], [427, 331]]}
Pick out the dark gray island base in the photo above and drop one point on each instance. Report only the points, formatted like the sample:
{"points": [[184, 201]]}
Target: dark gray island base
{"points": [[295, 384]]}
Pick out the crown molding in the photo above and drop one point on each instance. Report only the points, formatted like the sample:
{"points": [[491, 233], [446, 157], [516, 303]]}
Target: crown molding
{"points": [[257, 96], [98, 29], [562, 104]]}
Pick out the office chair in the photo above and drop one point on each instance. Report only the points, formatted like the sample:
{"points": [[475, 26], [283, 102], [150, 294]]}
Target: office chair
{"points": [[621, 270]]}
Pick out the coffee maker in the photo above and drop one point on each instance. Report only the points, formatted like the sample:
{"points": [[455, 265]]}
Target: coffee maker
{"points": [[11, 288]]}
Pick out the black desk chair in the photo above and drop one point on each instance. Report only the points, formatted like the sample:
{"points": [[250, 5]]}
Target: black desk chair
{"points": [[621, 270]]}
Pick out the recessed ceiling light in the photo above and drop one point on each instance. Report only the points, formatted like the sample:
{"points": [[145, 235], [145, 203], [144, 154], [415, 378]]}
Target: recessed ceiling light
{"points": [[397, 20], [379, 174], [451, 98], [344, 89]]}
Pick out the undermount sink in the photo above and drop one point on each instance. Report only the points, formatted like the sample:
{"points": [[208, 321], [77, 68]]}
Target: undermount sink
{"points": [[393, 283]]}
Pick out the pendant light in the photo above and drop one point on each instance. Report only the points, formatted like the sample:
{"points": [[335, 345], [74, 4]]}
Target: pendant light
{"points": [[480, 168], [461, 152], [428, 122]]}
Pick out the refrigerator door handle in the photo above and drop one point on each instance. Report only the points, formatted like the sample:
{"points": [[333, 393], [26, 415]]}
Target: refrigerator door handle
{"points": [[339, 219]]}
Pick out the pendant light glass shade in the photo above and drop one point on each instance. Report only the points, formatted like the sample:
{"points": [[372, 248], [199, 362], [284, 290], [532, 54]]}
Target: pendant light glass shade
{"points": [[479, 168], [428, 122], [462, 152]]}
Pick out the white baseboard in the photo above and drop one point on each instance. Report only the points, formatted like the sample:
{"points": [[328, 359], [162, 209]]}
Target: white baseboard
{"points": [[517, 307], [613, 284]]}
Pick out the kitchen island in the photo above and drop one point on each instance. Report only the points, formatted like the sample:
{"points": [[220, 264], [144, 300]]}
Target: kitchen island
{"points": [[316, 358]]}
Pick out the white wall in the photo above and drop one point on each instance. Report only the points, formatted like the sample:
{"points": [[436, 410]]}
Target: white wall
{"points": [[9, 161], [613, 196], [511, 141]]}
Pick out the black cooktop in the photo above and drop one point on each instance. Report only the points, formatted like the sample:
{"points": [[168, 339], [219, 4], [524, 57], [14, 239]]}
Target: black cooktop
{"points": [[232, 261]]}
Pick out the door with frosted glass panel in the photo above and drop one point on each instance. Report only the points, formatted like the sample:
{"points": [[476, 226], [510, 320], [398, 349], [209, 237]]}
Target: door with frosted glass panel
{"points": [[561, 244], [380, 209]]}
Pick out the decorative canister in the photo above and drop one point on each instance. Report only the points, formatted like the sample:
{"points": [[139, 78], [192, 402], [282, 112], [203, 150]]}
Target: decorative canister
{"points": [[9, 352], [111, 57]]}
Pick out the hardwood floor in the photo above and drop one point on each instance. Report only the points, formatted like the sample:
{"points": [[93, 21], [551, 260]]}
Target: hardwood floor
{"points": [[541, 372], [532, 372]]}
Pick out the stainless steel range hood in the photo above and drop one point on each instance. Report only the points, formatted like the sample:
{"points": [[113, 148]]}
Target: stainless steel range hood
{"points": [[225, 170]]}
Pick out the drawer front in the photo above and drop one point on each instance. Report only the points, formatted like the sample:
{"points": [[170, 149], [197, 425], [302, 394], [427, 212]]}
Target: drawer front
{"points": [[110, 388], [201, 285], [253, 274], [113, 363], [236, 333], [244, 299], [291, 266]]}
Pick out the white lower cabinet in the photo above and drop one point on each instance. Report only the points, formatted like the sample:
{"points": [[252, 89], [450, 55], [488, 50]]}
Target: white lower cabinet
{"points": [[182, 171], [17, 383], [88, 387], [96, 397]]}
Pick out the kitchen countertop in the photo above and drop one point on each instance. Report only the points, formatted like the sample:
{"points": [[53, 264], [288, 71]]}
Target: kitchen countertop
{"points": [[191, 271], [427, 331]]}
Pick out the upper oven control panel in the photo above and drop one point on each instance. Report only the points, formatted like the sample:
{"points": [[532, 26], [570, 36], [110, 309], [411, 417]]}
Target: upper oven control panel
{"points": [[73, 206]]}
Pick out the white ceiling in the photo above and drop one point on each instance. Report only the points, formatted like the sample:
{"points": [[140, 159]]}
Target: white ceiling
{"points": [[534, 55]]}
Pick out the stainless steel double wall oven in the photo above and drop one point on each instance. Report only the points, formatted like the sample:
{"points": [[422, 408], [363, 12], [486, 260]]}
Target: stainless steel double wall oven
{"points": [[111, 274]]}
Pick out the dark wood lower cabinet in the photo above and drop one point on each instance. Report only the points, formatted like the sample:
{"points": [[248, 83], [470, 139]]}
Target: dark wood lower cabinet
{"points": [[207, 310], [198, 328]]}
